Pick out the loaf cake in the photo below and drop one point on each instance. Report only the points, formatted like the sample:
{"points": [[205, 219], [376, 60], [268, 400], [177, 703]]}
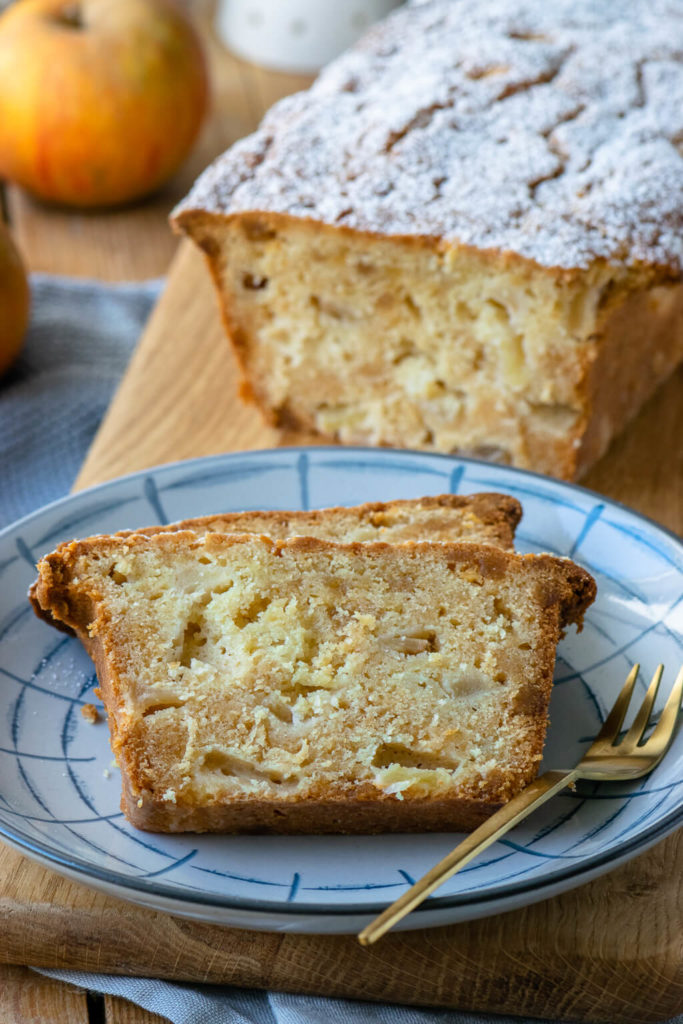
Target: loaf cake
{"points": [[467, 236], [307, 686], [486, 518]]}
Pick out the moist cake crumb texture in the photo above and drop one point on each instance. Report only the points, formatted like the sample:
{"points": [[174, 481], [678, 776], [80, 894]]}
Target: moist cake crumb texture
{"points": [[303, 685]]}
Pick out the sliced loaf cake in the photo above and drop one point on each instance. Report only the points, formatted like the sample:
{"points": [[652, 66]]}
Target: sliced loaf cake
{"points": [[308, 686]]}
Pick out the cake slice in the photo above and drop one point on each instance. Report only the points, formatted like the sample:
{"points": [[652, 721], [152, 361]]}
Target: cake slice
{"points": [[486, 518], [307, 686]]}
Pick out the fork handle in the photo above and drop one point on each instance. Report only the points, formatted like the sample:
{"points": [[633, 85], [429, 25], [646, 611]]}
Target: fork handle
{"points": [[542, 789]]}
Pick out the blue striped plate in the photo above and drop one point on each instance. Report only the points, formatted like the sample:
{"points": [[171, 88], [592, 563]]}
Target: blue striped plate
{"points": [[59, 792]]}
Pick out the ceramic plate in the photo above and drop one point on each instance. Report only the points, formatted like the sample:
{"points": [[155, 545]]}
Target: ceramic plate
{"points": [[59, 792]]}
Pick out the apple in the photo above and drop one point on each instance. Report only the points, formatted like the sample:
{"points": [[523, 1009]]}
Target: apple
{"points": [[100, 100], [14, 300]]}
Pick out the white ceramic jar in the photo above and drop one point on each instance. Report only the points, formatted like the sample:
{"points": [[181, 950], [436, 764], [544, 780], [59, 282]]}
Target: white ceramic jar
{"points": [[295, 35]]}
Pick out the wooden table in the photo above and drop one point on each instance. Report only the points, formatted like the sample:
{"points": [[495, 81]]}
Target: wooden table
{"points": [[134, 243]]}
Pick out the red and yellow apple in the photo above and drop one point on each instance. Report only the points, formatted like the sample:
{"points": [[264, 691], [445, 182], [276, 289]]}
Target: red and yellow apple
{"points": [[14, 300], [100, 100]]}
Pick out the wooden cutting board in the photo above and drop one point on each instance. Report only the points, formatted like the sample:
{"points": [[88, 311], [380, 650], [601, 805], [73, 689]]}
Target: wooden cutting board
{"points": [[610, 951]]}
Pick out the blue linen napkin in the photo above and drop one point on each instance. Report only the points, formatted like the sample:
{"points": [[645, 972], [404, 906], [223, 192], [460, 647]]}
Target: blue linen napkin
{"points": [[81, 337], [79, 341], [219, 1004]]}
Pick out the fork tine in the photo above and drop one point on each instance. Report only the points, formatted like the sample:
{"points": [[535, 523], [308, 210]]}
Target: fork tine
{"points": [[643, 717], [664, 729], [613, 722]]}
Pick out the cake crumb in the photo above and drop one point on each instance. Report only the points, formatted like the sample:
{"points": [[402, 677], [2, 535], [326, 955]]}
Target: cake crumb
{"points": [[296, 606], [90, 713]]}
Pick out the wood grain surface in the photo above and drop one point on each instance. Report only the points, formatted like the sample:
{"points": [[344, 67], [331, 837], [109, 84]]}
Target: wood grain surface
{"points": [[27, 997], [30, 998], [610, 951]]}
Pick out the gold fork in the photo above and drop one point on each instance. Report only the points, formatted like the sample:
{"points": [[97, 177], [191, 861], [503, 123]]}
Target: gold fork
{"points": [[607, 760]]}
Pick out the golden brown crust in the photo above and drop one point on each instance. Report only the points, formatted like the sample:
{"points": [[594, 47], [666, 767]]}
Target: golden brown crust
{"points": [[346, 816], [638, 344]]}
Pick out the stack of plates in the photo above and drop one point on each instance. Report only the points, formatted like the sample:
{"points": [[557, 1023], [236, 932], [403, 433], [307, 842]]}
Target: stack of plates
{"points": [[59, 793]]}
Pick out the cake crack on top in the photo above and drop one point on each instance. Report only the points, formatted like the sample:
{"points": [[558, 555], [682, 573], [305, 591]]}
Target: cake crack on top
{"points": [[464, 92]]}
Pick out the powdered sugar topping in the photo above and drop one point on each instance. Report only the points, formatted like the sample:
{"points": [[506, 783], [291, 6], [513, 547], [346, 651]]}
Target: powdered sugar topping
{"points": [[550, 129]]}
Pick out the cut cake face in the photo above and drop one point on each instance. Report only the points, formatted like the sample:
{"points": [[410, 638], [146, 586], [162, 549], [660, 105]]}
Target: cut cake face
{"points": [[307, 686], [486, 518]]}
